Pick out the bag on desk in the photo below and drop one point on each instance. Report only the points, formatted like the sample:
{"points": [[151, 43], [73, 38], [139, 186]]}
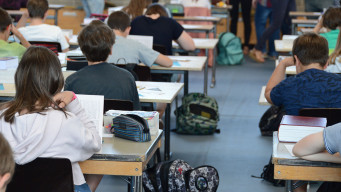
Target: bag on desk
{"points": [[198, 115], [270, 120], [131, 127]]}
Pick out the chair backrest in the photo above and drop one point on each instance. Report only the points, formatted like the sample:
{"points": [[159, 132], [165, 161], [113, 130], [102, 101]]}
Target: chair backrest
{"points": [[175, 9], [140, 72], [117, 105], [53, 46], [76, 63], [43, 174], [333, 115]]}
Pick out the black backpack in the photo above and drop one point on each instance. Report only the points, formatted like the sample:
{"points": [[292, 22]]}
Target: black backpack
{"points": [[178, 176], [268, 175], [270, 120]]}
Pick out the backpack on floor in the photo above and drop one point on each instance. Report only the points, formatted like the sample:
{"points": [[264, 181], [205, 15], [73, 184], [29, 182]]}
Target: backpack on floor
{"points": [[198, 115], [268, 175], [178, 176], [270, 120], [229, 49], [166, 177]]}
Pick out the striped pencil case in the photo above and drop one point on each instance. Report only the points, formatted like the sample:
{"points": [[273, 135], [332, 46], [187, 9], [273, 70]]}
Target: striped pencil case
{"points": [[131, 127]]}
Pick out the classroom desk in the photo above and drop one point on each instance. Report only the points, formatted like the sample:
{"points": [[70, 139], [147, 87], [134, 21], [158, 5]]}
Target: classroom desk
{"points": [[149, 92], [304, 14], [222, 11], [214, 20], [262, 100], [302, 22], [284, 46], [160, 92], [199, 28], [186, 64], [205, 44], [287, 167], [15, 12], [123, 157], [56, 8]]}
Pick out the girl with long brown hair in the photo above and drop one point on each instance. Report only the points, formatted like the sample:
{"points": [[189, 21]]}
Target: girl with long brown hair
{"points": [[42, 121], [136, 8]]}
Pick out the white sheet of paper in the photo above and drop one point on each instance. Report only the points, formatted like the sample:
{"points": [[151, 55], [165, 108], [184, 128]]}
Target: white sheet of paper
{"points": [[145, 40], [289, 147], [93, 105], [62, 58], [9, 63]]}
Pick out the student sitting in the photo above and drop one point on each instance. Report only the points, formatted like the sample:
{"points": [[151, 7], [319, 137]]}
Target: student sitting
{"points": [[6, 27], [131, 51], [164, 30], [101, 78], [311, 87], [37, 30], [7, 163], [330, 20], [42, 121]]}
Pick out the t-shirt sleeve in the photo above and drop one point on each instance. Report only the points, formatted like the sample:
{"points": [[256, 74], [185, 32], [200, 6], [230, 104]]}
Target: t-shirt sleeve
{"points": [[276, 94], [147, 55], [136, 100], [20, 50], [62, 40], [177, 29], [332, 136]]}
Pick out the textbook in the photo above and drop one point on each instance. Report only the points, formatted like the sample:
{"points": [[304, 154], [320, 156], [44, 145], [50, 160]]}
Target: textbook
{"points": [[93, 105], [294, 128], [8, 63]]}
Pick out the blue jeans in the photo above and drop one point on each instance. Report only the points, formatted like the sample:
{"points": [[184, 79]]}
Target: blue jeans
{"points": [[261, 16], [93, 6], [82, 188]]}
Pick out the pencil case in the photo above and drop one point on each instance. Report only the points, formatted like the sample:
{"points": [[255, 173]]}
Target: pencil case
{"points": [[131, 127]]}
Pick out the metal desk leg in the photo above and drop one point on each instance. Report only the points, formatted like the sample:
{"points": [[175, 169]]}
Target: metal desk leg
{"points": [[186, 82], [293, 29], [288, 186], [213, 69], [206, 73], [56, 17], [167, 131], [136, 184], [228, 21]]}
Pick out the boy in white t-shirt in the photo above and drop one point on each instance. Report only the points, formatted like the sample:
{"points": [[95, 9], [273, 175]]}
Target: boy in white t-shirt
{"points": [[37, 30]]}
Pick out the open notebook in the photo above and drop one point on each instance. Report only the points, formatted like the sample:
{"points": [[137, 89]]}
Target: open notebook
{"points": [[93, 105]]}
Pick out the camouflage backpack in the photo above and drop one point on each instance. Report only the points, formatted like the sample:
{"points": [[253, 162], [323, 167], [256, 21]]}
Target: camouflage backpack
{"points": [[198, 115]]}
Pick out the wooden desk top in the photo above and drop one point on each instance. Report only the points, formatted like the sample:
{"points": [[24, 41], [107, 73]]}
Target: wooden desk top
{"points": [[187, 63], [56, 7], [15, 12], [284, 45], [118, 149], [204, 28], [221, 9], [304, 21], [201, 43], [198, 18], [158, 92], [7, 79], [304, 14], [262, 100]]}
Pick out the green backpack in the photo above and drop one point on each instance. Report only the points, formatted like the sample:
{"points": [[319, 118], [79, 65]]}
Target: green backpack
{"points": [[229, 49], [198, 115]]}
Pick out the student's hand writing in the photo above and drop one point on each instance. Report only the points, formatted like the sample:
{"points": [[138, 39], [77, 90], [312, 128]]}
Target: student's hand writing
{"points": [[63, 98], [289, 61]]}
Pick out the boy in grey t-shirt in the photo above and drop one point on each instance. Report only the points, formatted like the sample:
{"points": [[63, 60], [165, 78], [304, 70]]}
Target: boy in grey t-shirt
{"points": [[128, 50], [322, 146]]}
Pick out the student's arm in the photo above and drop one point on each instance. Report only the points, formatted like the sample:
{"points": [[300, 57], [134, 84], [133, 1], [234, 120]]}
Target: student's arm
{"points": [[23, 20], [164, 61], [277, 76], [20, 36], [312, 148], [186, 42], [318, 26], [65, 50]]}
